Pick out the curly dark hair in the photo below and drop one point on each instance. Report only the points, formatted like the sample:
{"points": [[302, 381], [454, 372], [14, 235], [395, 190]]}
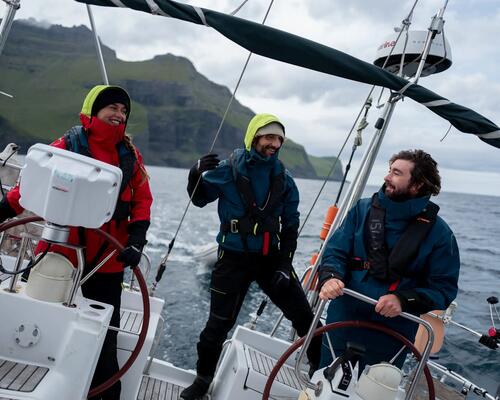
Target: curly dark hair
{"points": [[424, 171]]}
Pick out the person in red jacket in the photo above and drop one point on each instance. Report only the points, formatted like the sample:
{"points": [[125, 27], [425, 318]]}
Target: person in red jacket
{"points": [[102, 136]]}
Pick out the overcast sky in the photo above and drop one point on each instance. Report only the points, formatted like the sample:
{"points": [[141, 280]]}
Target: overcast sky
{"points": [[318, 110]]}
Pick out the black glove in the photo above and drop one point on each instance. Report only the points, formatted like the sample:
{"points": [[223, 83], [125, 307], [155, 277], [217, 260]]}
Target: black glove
{"points": [[207, 162], [6, 211], [131, 254], [282, 276], [288, 244]]}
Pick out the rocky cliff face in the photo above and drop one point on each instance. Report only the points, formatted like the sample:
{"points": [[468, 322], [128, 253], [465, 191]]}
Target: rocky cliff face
{"points": [[176, 111]]}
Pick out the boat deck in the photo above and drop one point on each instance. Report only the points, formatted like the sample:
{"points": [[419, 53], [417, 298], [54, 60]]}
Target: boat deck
{"points": [[158, 389], [443, 392], [131, 321], [4, 277], [20, 377], [263, 364]]}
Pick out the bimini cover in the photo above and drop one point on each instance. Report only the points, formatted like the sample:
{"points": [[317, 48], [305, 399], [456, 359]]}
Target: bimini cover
{"points": [[66, 188]]}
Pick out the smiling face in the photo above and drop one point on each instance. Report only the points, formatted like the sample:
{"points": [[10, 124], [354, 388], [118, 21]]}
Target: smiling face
{"points": [[113, 114], [398, 183], [267, 145]]}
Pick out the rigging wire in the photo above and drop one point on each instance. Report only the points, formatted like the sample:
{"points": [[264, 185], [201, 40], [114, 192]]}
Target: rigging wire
{"points": [[237, 9], [405, 26], [446, 134], [406, 23], [162, 266]]}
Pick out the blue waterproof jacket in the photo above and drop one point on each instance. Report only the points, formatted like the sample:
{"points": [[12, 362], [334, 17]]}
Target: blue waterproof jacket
{"points": [[219, 184], [436, 266], [434, 278]]}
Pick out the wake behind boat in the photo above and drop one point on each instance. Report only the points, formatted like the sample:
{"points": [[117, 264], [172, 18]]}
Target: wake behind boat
{"points": [[51, 335]]}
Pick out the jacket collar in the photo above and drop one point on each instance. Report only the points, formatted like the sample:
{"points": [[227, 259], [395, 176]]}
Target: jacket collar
{"points": [[402, 209]]}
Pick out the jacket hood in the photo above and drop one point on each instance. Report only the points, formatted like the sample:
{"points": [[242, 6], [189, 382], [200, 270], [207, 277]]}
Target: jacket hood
{"points": [[95, 92], [255, 124]]}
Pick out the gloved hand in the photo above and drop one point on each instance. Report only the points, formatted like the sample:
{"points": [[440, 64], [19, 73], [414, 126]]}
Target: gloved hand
{"points": [[282, 276], [130, 256], [207, 162]]}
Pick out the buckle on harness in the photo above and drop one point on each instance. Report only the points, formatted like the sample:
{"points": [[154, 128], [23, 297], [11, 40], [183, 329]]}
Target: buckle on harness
{"points": [[233, 226]]}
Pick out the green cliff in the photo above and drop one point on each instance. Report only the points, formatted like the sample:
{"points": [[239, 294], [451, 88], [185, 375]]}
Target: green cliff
{"points": [[175, 111]]}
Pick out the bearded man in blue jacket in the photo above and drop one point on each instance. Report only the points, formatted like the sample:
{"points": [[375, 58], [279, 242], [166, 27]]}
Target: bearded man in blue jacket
{"points": [[393, 248], [257, 207]]}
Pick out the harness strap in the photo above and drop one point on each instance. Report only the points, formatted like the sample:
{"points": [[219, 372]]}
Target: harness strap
{"points": [[75, 140], [391, 266], [256, 220]]}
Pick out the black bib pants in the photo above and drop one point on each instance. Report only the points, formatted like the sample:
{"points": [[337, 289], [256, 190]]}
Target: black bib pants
{"points": [[232, 275]]}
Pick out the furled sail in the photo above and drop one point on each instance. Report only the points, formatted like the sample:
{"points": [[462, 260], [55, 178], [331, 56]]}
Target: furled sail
{"points": [[282, 46]]}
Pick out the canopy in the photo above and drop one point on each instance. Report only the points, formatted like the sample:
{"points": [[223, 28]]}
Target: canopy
{"points": [[282, 46]]}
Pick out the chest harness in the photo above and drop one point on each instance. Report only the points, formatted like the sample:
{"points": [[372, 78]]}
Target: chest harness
{"points": [[76, 141], [256, 220], [391, 266]]}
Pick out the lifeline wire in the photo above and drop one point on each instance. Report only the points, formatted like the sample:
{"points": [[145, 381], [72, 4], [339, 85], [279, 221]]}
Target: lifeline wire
{"points": [[162, 266]]}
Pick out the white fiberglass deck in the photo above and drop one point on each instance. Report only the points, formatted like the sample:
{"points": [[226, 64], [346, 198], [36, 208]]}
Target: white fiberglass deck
{"points": [[20, 377], [157, 389]]}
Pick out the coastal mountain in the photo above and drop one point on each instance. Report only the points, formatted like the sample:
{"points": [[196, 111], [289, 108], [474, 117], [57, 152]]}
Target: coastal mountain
{"points": [[175, 110]]}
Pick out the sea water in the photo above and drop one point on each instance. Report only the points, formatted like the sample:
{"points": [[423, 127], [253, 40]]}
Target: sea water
{"points": [[185, 284]]}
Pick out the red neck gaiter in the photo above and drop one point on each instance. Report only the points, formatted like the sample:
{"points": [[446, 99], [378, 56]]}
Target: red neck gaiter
{"points": [[103, 138]]}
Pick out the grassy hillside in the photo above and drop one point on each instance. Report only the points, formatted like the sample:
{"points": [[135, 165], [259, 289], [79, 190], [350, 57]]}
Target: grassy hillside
{"points": [[175, 110]]}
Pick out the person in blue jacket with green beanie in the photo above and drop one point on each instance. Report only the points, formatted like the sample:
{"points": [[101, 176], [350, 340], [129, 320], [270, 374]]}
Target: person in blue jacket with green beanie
{"points": [[259, 221], [394, 248]]}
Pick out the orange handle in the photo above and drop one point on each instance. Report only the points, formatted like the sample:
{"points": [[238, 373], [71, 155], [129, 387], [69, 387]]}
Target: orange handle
{"points": [[312, 285], [330, 217]]}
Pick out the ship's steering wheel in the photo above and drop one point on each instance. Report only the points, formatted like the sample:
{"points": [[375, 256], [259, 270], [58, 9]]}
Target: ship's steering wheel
{"points": [[145, 304], [348, 324]]}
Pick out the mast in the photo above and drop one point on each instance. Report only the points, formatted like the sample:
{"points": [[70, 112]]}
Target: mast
{"points": [[8, 19], [100, 58], [356, 189]]}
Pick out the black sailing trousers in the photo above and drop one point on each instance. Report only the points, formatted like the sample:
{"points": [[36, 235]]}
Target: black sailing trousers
{"points": [[232, 275], [106, 288]]}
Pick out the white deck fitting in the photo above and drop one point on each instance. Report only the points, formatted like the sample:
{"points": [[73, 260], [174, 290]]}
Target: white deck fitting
{"points": [[20, 377]]}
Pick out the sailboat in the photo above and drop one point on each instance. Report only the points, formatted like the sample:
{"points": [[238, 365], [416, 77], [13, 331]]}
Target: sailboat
{"points": [[51, 335]]}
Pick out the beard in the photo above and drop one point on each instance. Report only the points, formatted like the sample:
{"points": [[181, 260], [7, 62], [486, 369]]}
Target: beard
{"points": [[398, 195]]}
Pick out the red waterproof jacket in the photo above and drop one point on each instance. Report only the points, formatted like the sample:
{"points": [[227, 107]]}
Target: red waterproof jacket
{"points": [[102, 146]]}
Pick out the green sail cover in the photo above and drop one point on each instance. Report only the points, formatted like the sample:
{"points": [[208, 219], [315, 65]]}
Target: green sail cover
{"points": [[282, 46]]}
